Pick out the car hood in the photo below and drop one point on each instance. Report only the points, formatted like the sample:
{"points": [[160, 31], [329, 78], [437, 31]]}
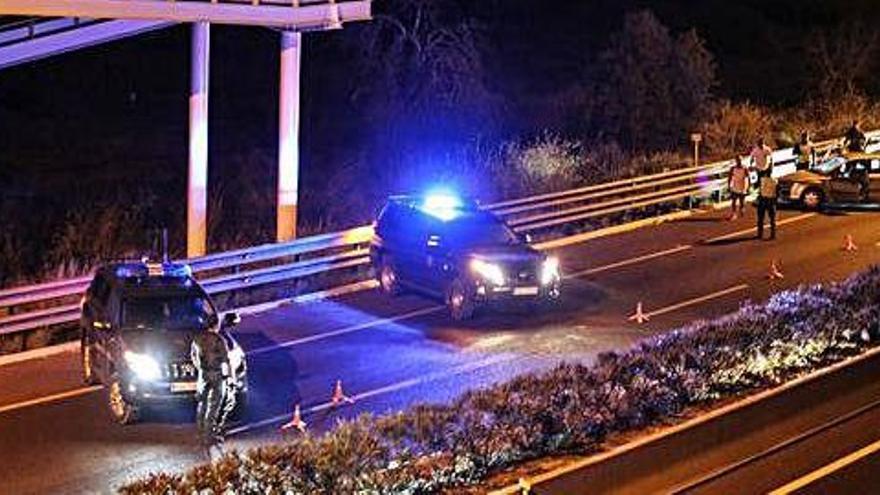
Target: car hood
{"points": [[514, 253], [172, 345], [803, 176]]}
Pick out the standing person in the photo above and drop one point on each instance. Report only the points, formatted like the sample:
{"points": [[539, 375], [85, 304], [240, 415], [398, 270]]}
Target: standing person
{"points": [[215, 400], [738, 185], [766, 203], [762, 157], [805, 152], [854, 140]]}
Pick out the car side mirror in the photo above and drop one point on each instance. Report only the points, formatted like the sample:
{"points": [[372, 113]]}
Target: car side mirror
{"points": [[231, 319]]}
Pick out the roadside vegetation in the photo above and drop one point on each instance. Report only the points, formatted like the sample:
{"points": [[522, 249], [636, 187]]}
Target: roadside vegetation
{"points": [[431, 93], [570, 409]]}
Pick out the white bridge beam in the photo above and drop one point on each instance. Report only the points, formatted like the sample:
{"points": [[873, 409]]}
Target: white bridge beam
{"points": [[30, 49], [294, 14]]}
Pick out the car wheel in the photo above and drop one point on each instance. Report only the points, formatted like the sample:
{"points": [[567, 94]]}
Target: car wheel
{"points": [[86, 359], [388, 281], [459, 301], [812, 199], [123, 411]]}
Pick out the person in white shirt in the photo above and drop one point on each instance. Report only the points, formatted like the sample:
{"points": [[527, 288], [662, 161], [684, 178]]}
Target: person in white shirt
{"points": [[738, 185], [762, 157]]}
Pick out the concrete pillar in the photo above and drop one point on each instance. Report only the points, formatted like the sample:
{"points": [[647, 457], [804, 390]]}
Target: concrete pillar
{"points": [[197, 184], [288, 135]]}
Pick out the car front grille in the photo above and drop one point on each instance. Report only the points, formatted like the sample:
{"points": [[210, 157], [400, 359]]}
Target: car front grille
{"points": [[181, 370], [523, 274]]}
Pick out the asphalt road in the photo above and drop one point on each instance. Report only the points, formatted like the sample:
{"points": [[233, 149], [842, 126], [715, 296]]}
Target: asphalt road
{"points": [[56, 436]]}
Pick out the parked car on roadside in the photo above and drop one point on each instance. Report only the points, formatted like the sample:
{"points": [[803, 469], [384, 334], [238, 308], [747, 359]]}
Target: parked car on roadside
{"points": [[849, 178], [138, 321], [451, 249]]}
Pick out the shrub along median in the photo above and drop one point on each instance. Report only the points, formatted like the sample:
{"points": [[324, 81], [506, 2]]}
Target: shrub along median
{"points": [[569, 409]]}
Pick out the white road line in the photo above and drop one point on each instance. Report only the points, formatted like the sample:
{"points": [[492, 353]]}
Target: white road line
{"points": [[827, 470], [631, 261], [698, 300], [343, 331], [394, 387], [738, 233], [49, 398], [41, 353]]}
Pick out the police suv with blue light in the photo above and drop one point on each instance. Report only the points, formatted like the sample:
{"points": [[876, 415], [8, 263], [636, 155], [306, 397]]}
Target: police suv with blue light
{"points": [[138, 322], [448, 247]]}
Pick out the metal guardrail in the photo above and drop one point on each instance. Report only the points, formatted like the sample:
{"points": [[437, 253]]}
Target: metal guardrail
{"points": [[41, 305]]}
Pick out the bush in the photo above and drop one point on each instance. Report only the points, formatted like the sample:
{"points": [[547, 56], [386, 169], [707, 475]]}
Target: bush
{"points": [[569, 409], [733, 129]]}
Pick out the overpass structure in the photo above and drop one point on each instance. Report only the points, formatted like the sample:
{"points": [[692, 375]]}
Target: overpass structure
{"points": [[66, 25]]}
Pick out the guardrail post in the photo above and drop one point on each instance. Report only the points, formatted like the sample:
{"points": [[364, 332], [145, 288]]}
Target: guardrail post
{"points": [[288, 135], [197, 184]]}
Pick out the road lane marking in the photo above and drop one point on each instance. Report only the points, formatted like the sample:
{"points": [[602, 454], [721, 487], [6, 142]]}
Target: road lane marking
{"points": [[697, 300], [394, 387], [41, 353], [739, 233], [49, 398], [344, 331], [827, 470], [261, 350], [627, 262]]}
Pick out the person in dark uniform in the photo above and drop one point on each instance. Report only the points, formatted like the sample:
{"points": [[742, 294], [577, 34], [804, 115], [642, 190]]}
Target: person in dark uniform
{"points": [[767, 186], [854, 140], [213, 390]]}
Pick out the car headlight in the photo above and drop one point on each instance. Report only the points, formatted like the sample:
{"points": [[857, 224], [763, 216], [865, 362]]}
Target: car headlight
{"points": [[236, 358], [550, 270], [144, 366], [489, 271]]}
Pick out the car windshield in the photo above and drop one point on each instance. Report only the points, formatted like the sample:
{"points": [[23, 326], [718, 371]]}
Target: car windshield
{"points": [[829, 166], [479, 230], [178, 312]]}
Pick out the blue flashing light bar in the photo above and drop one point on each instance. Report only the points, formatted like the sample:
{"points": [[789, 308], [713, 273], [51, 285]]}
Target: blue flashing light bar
{"points": [[140, 270], [443, 205]]}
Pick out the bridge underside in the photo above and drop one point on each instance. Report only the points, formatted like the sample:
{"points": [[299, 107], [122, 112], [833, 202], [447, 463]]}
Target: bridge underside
{"points": [[73, 24], [294, 14]]}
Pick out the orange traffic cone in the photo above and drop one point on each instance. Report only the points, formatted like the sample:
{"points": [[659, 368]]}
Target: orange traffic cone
{"points": [[639, 316], [296, 422], [339, 396], [848, 244], [775, 273]]}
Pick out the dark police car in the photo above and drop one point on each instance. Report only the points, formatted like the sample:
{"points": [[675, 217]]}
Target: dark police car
{"points": [[138, 321], [448, 247]]}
